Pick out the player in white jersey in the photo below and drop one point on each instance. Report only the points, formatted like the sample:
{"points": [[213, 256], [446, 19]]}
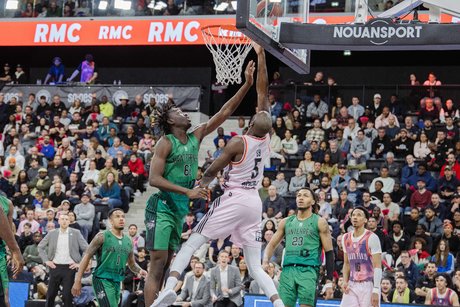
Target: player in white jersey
{"points": [[238, 211], [362, 268]]}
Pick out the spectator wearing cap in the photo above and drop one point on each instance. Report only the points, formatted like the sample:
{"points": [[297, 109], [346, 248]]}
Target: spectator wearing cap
{"points": [[123, 110], [433, 224], [11, 170], [377, 106], [449, 236], [394, 168], [453, 164], [85, 213], [424, 176], [19, 75], [447, 184], [340, 181], [355, 109], [42, 182], [6, 77]]}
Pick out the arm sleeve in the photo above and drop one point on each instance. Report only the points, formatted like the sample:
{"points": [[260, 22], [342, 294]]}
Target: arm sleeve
{"points": [[374, 245]]}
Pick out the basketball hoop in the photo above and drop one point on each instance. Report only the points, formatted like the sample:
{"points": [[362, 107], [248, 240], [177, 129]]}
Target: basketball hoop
{"points": [[229, 47]]}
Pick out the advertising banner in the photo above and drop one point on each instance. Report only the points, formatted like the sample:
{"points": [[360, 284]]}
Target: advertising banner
{"points": [[186, 97], [129, 31]]}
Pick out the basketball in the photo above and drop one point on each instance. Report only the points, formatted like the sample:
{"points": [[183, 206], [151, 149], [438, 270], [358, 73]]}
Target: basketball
{"points": [[273, 9]]}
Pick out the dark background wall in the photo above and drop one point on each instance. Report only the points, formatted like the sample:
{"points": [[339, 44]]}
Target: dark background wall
{"points": [[193, 65]]}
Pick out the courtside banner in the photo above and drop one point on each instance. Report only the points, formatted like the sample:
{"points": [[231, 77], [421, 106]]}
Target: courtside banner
{"points": [[132, 31], [186, 97]]}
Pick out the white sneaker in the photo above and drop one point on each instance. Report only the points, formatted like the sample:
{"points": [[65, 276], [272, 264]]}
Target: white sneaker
{"points": [[138, 193], [166, 298]]}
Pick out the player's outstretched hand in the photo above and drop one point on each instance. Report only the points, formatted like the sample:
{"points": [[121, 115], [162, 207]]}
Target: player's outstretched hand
{"points": [[76, 288], [197, 192], [257, 48], [17, 262], [249, 72], [142, 274], [375, 299]]}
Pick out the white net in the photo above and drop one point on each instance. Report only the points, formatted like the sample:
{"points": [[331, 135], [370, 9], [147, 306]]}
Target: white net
{"points": [[229, 48]]}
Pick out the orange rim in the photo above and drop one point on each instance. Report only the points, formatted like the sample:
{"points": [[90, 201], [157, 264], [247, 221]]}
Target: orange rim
{"points": [[213, 30]]}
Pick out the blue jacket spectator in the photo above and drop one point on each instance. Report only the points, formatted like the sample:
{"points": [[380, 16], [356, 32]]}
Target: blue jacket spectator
{"points": [[110, 192], [104, 130], [408, 170], [48, 150], [443, 258], [411, 270], [276, 107], [424, 176], [221, 135]]}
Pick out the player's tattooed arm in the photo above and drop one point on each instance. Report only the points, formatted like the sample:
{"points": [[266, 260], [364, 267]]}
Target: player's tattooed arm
{"points": [[133, 266]]}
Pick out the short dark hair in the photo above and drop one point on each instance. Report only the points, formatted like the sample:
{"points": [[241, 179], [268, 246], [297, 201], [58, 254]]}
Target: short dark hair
{"points": [[111, 212]]}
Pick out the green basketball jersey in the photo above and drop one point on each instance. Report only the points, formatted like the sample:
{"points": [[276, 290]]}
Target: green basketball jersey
{"points": [[112, 257], [303, 243], [181, 169], [4, 202]]}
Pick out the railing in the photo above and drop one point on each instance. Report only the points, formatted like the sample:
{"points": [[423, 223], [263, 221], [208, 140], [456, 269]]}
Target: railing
{"points": [[409, 95]]}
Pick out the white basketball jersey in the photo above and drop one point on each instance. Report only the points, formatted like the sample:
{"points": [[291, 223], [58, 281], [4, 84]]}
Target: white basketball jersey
{"points": [[249, 171]]}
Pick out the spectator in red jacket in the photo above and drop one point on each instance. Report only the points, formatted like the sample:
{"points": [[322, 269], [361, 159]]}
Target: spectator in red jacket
{"points": [[453, 164], [138, 170]]}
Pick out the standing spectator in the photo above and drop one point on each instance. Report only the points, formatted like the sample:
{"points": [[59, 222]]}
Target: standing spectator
{"points": [[61, 250], [88, 70], [225, 283], [56, 72], [19, 75]]}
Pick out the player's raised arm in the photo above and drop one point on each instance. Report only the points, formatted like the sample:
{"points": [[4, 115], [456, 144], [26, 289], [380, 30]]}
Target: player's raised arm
{"points": [[95, 244], [262, 80], [234, 146], [157, 167], [229, 107], [326, 241]]}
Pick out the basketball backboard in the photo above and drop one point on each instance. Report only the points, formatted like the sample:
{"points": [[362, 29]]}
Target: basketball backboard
{"points": [[260, 20]]}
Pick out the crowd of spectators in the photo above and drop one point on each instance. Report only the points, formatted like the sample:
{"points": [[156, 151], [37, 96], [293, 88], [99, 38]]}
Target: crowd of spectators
{"points": [[58, 158]]}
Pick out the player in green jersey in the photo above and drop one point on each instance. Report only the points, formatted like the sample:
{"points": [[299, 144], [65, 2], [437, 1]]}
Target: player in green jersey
{"points": [[305, 234], [173, 171], [7, 239], [113, 251]]}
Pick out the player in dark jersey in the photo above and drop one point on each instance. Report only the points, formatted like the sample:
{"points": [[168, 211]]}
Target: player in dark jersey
{"points": [[173, 170], [113, 251]]}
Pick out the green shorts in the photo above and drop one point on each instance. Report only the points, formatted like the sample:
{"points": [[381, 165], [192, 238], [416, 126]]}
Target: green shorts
{"points": [[163, 228], [298, 282], [4, 272], [107, 292]]}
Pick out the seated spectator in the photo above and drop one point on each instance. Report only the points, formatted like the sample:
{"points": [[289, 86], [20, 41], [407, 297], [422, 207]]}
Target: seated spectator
{"points": [[31, 256], [316, 133], [408, 170], [343, 118], [278, 252], [110, 192], [74, 189], [420, 198], [453, 164], [49, 218], [399, 236], [402, 293], [107, 169], [367, 202], [426, 283], [34, 225], [104, 129], [411, 270], [383, 120], [314, 178], [146, 145], [444, 260], [274, 205], [383, 237], [221, 135], [115, 148], [334, 152], [429, 111], [452, 240], [85, 213], [263, 191], [354, 194], [138, 170], [331, 194], [440, 209], [325, 208], [26, 237], [297, 182], [57, 196], [429, 130], [316, 152], [381, 144], [390, 210], [340, 181], [41, 183], [343, 206], [424, 176], [432, 223], [385, 290], [317, 108], [402, 144], [307, 164], [289, 145], [350, 132], [281, 184], [388, 182], [448, 184], [360, 150], [91, 173], [216, 247], [394, 168], [197, 288]]}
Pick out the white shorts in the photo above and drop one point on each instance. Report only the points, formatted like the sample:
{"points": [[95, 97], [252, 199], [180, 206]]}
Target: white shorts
{"points": [[237, 213], [359, 294]]}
